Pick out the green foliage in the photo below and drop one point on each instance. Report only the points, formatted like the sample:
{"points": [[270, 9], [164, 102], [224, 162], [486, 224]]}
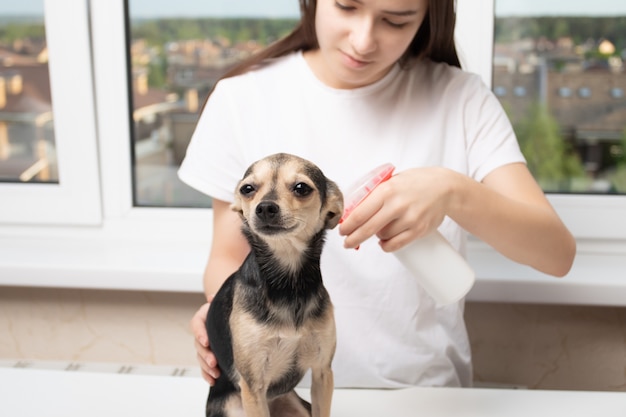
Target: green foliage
{"points": [[158, 32], [157, 73], [618, 180], [15, 31], [580, 29], [621, 160], [550, 159], [618, 176]]}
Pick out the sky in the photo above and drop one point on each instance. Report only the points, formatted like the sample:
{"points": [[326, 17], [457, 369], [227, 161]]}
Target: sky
{"points": [[289, 8], [560, 7]]}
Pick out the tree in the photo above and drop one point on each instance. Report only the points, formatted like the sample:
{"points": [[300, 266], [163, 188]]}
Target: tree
{"points": [[618, 177], [157, 72], [550, 159]]}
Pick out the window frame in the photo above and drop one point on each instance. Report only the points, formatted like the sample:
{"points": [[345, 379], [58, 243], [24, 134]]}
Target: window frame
{"points": [[594, 217], [75, 199], [165, 249]]}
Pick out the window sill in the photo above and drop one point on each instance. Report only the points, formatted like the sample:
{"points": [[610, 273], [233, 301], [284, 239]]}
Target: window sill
{"points": [[146, 251], [596, 278], [157, 253]]}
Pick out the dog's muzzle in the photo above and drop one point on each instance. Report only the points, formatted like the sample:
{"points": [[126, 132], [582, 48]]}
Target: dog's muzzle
{"points": [[268, 218], [268, 212]]}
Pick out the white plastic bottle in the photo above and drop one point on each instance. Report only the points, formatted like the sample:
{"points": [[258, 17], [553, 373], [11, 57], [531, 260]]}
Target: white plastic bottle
{"points": [[441, 270]]}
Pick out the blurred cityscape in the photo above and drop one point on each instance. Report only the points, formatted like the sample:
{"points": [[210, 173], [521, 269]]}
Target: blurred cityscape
{"points": [[563, 83], [26, 123], [561, 80], [171, 80]]}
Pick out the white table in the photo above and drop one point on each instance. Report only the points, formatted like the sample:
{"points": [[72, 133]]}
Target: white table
{"points": [[51, 393]]}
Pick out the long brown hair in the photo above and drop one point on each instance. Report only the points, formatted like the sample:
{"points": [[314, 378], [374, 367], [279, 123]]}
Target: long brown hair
{"points": [[434, 39]]}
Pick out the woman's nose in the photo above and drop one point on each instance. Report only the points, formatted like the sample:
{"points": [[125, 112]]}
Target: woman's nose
{"points": [[362, 37]]}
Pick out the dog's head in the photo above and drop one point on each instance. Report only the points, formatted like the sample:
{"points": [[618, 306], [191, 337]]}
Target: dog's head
{"points": [[283, 197]]}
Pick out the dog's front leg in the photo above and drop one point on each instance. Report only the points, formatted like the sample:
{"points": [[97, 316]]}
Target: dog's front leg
{"points": [[254, 399], [322, 386]]}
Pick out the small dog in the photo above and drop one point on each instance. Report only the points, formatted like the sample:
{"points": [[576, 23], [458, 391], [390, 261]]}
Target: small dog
{"points": [[272, 320]]}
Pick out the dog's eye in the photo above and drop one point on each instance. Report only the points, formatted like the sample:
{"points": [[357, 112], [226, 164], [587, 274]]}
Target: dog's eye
{"points": [[246, 189], [302, 190]]}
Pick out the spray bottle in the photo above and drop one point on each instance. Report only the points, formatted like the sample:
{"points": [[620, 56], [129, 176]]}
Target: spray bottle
{"points": [[440, 269]]}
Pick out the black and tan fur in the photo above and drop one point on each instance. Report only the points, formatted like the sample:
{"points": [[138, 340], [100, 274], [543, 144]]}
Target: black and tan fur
{"points": [[272, 320]]}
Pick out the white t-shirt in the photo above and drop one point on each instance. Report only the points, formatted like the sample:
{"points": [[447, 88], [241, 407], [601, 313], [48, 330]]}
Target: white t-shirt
{"points": [[390, 333]]}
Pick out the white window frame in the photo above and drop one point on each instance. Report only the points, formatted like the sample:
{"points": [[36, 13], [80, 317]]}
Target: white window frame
{"points": [[597, 221], [589, 217], [76, 198], [165, 249]]}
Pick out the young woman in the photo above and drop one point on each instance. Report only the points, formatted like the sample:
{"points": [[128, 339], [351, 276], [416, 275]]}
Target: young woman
{"points": [[357, 84]]}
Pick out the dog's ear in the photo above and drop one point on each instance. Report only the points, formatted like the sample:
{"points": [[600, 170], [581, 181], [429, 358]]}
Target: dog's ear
{"points": [[334, 205], [236, 205]]}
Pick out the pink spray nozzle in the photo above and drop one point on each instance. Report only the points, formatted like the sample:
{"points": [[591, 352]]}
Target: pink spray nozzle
{"points": [[361, 188]]}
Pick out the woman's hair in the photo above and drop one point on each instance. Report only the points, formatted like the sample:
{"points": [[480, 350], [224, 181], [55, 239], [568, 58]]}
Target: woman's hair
{"points": [[434, 39]]}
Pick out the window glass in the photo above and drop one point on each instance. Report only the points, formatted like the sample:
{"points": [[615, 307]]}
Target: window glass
{"points": [[568, 56], [27, 144], [178, 50], [617, 92], [499, 91]]}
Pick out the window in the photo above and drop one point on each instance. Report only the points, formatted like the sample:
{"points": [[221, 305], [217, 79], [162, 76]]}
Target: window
{"points": [[177, 55], [48, 163], [564, 92], [617, 92], [574, 49], [116, 217], [499, 91], [27, 146], [584, 92], [519, 91]]}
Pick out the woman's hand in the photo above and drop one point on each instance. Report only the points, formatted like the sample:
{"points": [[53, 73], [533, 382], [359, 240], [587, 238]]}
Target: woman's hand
{"points": [[409, 205], [206, 358], [507, 210]]}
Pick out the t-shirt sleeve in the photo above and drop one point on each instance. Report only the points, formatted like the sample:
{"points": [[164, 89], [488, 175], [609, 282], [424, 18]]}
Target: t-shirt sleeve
{"points": [[213, 163], [491, 140]]}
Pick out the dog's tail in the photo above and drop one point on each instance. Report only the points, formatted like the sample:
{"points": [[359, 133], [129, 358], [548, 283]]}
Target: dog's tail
{"points": [[222, 396], [216, 408]]}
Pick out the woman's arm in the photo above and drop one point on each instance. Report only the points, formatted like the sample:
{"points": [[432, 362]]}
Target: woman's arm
{"points": [[228, 250], [229, 247], [510, 212], [507, 210]]}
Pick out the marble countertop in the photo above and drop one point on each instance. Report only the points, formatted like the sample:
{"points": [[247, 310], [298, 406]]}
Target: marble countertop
{"points": [[37, 392]]}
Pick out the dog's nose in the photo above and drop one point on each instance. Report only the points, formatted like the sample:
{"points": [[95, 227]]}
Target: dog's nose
{"points": [[267, 211]]}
